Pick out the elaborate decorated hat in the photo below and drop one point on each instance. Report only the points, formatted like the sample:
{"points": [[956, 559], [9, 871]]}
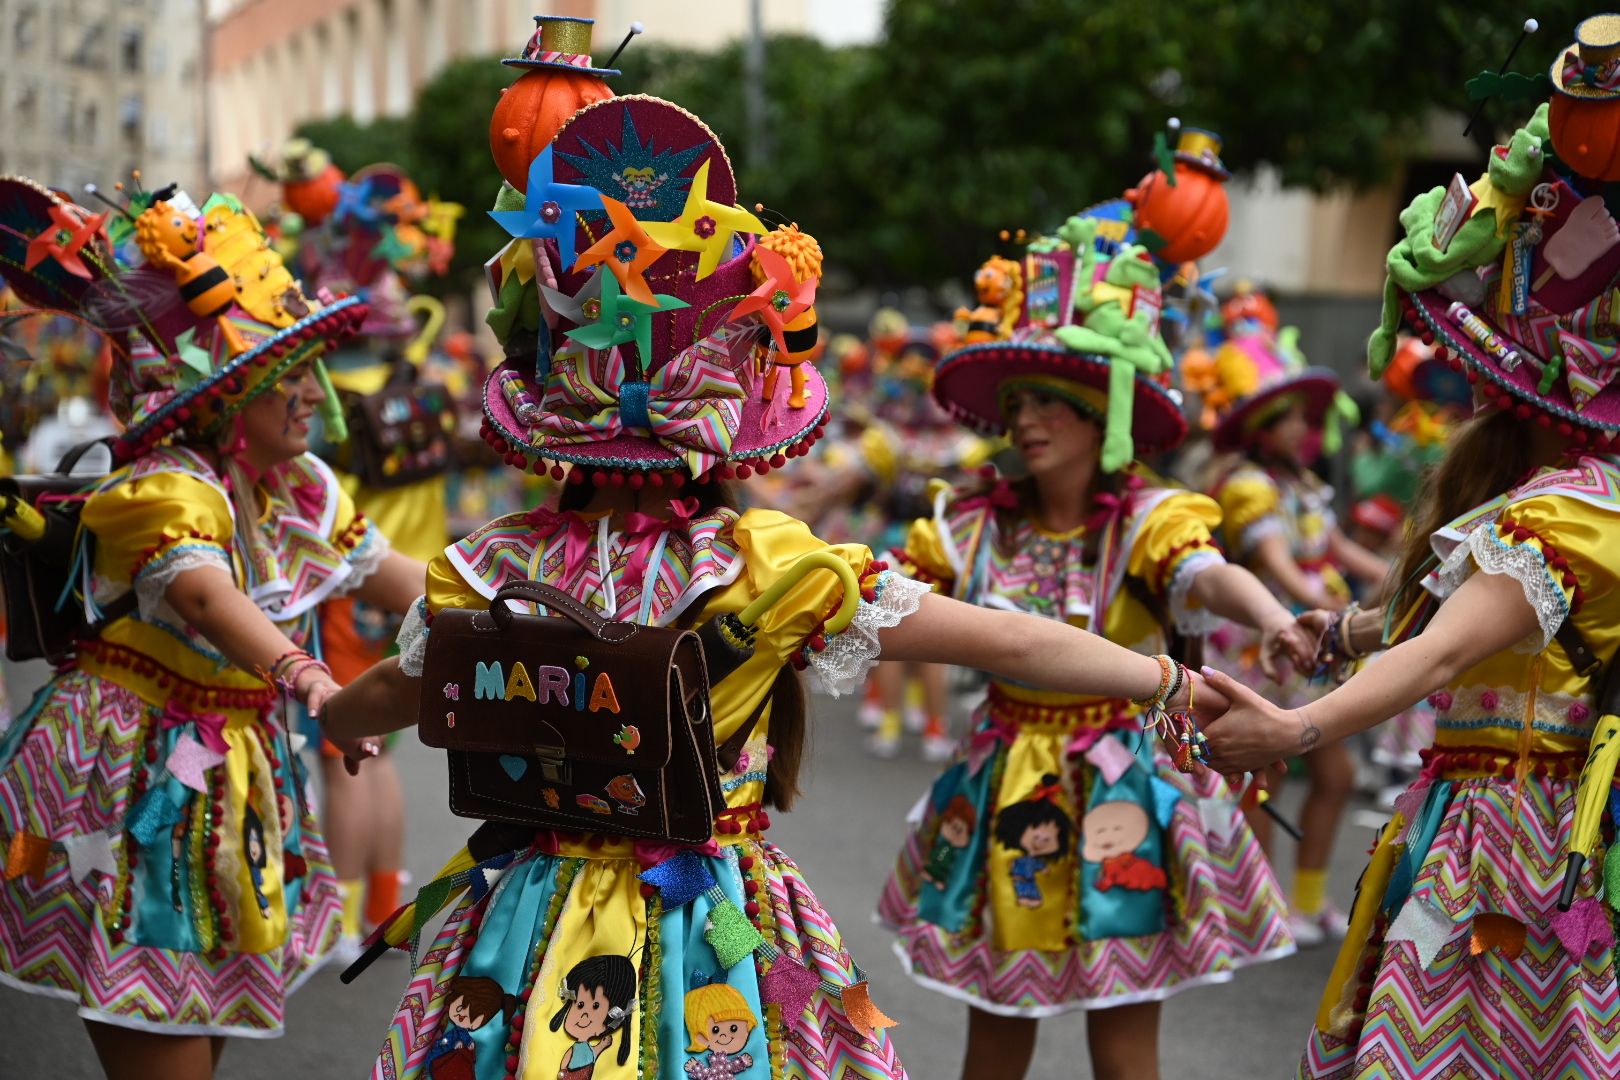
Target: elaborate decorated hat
{"points": [[560, 41], [200, 310], [647, 319], [1590, 68], [1510, 279], [1259, 372], [1087, 331]]}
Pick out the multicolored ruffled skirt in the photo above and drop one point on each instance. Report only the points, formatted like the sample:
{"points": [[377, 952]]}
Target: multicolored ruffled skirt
{"points": [[1061, 862], [1458, 962], [596, 958], [159, 882]]}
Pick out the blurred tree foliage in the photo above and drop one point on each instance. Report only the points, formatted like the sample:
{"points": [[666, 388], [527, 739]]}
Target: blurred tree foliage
{"points": [[971, 116]]}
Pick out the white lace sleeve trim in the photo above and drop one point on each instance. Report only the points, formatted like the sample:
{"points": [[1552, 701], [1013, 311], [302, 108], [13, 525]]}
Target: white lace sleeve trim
{"points": [[842, 666], [1193, 621], [1257, 530], [413, 638], [156, 576], [364, 560], [1524, 564]]}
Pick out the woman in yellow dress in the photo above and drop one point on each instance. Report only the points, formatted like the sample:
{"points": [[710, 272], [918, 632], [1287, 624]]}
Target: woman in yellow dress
{"points": [[1481, 943], [1060, 862], [599, 938], [164, 870]]}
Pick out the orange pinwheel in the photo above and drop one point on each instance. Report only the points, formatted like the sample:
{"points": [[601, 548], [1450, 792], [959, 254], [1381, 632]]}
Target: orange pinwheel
{"points": [[627, 251], [64, 238], [780, 298]]}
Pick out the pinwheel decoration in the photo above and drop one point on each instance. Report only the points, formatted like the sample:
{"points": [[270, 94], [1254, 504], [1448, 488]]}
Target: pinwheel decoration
{"points": [[779, 299], [705, 226], [583, 307], [354, 204], [549, 208], [63, 239], [622, 319], [626, 251]]}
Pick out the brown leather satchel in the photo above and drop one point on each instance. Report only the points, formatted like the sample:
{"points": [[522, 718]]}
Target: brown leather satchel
{"points": [[399, 435], [570, 721]]}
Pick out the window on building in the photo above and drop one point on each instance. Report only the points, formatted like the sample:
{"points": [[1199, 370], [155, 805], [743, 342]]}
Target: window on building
{"points": [[129, 48], [129, 115], [89, 127], [26, 27]]}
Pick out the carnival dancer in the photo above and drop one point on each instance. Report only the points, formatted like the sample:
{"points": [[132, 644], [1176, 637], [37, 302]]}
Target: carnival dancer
{"points": [[164, 869], [1278, 518], [1096, 875], [1481, 941], [647, 408], [375, 238]]}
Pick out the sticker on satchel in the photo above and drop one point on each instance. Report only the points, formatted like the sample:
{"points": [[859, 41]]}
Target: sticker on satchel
{"points": [[624, 790], [594, 803], [628, 738], [550, 685]]}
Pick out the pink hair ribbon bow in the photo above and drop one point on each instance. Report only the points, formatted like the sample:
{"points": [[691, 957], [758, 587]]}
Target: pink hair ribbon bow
{"points": [[692, 406], [645, 529], [578, 532]]}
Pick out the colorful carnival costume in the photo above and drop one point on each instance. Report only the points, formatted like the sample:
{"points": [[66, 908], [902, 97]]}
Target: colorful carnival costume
{"points": [[1461, 960], [163, 867], [623, 959], [1061, 861]]}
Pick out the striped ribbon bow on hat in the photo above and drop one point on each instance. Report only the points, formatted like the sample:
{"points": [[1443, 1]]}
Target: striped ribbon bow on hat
{"points": [[692, 406]]}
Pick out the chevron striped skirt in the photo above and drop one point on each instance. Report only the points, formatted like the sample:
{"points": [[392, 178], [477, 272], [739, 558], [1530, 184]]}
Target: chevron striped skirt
{"points": [[1188, 901], [1458, 962], [168, 935]]}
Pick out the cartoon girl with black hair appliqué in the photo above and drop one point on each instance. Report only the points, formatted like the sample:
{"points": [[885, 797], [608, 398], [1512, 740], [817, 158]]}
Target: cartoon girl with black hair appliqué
{"points": [[1039, 828], [474, 1001], [253, 850], [599, 994]]}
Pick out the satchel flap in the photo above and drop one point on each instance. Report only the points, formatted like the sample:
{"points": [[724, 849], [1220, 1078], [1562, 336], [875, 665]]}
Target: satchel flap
{"points": [[546, 687]]}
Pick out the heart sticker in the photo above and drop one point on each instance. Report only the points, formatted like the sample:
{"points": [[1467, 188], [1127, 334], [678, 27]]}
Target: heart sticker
{"points": [[515, 766]]}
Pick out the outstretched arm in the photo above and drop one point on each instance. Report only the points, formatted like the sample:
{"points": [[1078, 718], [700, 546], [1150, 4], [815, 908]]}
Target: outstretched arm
{"points": [[1271, 555], [381, 700], [1233, 593], [1039, 652], [395, 584], [1363, 564], [1487, 614]]}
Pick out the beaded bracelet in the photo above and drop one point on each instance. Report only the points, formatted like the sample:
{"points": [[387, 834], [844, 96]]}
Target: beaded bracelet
{"points": [[289, 682], [1344, 631], [1156, 700]]}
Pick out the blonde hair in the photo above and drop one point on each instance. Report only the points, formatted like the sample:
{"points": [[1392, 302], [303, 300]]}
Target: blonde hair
{"points": [[716, 1001]]}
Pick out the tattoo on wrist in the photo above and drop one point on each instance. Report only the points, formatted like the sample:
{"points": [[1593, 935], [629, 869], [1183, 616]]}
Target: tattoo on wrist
{"points": [[1309, 733]]}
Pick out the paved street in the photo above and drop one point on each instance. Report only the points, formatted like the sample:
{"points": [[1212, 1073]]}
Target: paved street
{"points": [[844, 836]]}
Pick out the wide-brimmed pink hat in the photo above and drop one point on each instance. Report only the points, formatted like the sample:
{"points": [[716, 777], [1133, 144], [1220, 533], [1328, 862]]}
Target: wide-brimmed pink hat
{"points": [[662, 309], [1263, 374]]}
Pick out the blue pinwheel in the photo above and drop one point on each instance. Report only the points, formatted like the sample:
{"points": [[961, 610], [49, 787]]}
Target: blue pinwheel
{"points": [[354, 204], [549, 208]]}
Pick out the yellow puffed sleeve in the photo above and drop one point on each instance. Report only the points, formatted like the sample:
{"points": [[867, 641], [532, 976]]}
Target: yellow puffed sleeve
{"points": [[446, 588], [924, 555], [1560, 549], [156, 523], [770, 543], [1247, 498], [1177, 529]]}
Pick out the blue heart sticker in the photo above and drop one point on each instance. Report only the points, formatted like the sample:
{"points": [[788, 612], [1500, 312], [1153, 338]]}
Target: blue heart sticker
{"points": [[515, 766]]}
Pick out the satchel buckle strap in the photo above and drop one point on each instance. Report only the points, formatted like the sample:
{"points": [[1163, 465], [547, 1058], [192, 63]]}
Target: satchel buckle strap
{"points": [[553, 764]]}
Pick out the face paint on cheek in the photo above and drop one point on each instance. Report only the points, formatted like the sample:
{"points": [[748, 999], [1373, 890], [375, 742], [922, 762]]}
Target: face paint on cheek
{"points": [[287, 421]]}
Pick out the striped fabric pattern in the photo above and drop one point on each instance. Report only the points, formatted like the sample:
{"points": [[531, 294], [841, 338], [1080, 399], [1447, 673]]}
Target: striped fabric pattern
{"points": [[1541, 1014], [1233, 915]]}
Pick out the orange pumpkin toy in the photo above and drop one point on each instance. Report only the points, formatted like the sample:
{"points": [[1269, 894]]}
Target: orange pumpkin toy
{"points": [[310, 182], [533, 109], [1189, 214], [1584, 118]]}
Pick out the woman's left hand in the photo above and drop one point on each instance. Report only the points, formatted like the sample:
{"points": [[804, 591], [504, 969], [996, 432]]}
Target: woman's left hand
{"points": [[1253, 733], [1286, 636]]}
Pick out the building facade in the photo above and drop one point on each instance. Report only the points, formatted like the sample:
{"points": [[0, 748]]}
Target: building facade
{"points": [[91, 89]]}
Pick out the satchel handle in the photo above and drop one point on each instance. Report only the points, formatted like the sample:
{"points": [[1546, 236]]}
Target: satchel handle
{"points": [[417, 351], [816, 560], [612, 633]]}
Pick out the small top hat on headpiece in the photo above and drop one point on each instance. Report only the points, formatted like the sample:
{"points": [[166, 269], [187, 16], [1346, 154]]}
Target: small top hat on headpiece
{"points": [[1590, 68], [560, 41]]}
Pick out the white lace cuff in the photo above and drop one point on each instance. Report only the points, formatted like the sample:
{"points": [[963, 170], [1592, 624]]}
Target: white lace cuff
{"points": [[842, 666], [413, 638], [1192, 621], [1256, 531], [1523, 563], [156, 576], [363, 561]]}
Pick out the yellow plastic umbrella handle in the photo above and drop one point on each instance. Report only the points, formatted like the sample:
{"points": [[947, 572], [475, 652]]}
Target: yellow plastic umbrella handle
{"points": [[816, 560], [19, 517], [1591, 798], [417, 351]]}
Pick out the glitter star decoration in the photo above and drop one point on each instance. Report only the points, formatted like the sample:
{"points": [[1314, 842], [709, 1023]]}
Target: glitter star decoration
{"points": [[779, 299], [63, 239], [705, 226], [549, 208], [626, 251]]}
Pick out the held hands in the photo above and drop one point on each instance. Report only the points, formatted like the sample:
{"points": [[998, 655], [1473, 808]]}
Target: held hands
{"points": [[315, 688], [1291, 638], [1254, 733]]}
